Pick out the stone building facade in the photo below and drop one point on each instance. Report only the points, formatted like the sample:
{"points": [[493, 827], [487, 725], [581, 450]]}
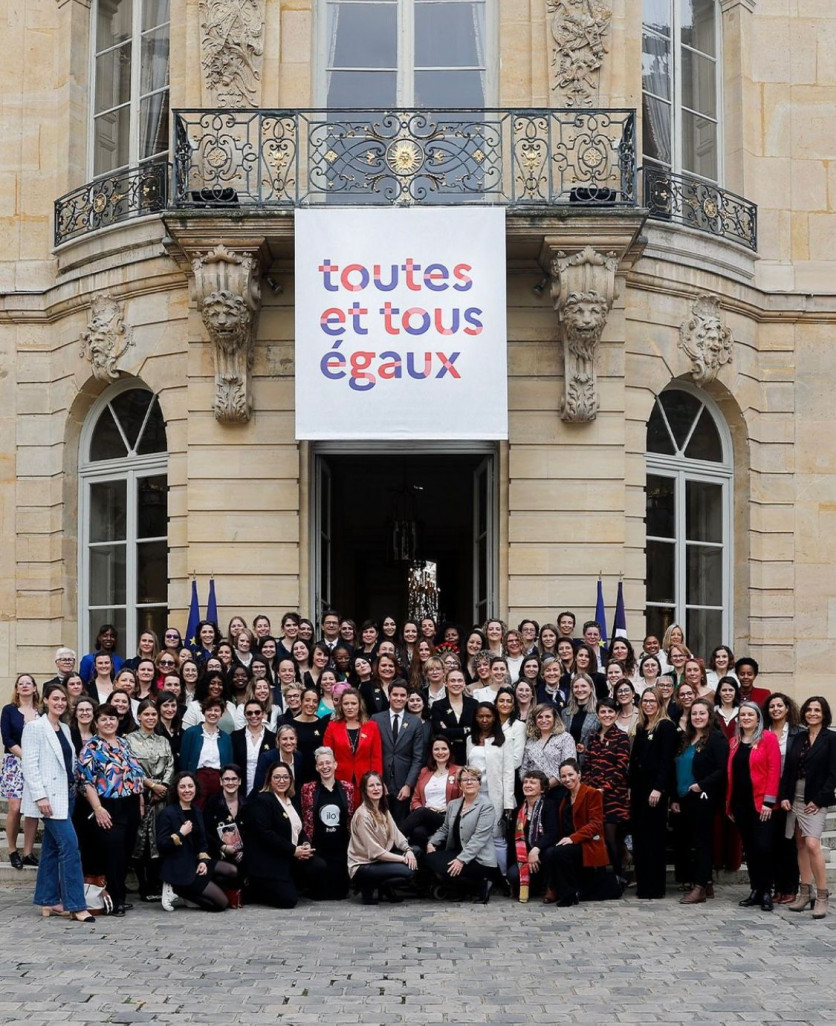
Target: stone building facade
{"points": [[720, 298]]}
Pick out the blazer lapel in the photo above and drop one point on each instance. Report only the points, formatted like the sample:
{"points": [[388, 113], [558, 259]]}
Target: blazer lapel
{"points": [[53, 742]]}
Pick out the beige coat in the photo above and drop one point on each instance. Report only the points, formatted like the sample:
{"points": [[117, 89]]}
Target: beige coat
{"points": [[370, 839]]}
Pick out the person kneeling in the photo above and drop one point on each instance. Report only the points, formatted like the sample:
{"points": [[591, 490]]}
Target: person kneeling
{"points": [[379, 855], [580, 818], [469, 852]]}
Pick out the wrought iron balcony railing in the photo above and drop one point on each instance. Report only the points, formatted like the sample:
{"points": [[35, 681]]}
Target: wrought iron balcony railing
{"points": [[701, 205], [283, 158], [111, 199]]}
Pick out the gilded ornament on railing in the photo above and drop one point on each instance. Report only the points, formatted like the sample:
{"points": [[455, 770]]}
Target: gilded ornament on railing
{"points": [[578, 28], [106, 338], [583, 291], [228, 296], [232, 47], [705, 340]]}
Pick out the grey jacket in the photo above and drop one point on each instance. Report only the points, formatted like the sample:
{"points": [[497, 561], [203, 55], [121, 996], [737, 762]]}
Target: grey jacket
{"points": [[475, 828], [402, 759]]}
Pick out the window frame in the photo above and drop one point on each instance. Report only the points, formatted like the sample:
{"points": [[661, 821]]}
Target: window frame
{"points": [[134, 104], [406, 68], [131, 469], [681, 470], [676, 165]]}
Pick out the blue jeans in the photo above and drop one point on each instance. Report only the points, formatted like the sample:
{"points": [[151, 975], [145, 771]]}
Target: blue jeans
{"points": [[60, 878]]}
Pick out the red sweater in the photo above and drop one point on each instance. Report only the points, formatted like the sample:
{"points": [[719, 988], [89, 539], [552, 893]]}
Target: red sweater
{"points": [[764, 769]]}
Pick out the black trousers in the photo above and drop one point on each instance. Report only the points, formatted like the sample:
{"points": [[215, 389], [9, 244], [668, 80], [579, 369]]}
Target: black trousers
{"points": [[649, 823], [276, 892], [381, 874], [420, 825], [693, 839], [757, 844], [784, 855], [473, 872], [117, 843], [566, 869], [537, 882]]}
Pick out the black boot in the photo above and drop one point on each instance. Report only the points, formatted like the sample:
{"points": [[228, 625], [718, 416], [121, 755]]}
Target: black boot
{"points": [[753, 899]]}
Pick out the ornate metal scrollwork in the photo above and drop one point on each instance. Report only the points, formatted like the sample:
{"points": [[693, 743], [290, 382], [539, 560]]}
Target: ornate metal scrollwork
{"points": [[121, 196], [228, 296]]}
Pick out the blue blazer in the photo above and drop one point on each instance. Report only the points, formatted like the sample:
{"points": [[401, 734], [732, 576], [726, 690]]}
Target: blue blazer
{"points": [[192, 743]]}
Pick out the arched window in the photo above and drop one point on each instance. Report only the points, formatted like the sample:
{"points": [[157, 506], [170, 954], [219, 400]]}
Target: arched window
{"points": [[689, 493], [123, 517]]}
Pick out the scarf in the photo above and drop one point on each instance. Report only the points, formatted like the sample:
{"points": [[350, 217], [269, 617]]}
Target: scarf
{"points": [[522, 842]]}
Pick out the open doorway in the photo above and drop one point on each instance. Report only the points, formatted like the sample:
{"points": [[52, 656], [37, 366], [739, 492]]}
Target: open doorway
{"points": [[380, 514]]}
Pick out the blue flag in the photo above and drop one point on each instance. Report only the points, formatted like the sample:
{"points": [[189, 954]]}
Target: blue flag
{"points": [[601, 617], [212, 604], [619, 624], [194, 619]]}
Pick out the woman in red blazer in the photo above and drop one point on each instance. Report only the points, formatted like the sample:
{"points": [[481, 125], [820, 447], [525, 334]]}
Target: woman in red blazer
{"points": [[580, 818], [354, 739], [754, 778]]}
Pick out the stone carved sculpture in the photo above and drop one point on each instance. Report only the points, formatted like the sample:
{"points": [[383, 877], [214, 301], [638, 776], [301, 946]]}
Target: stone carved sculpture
{"points": [[578, 28], [583, 291], [705, 340], [228, 296], [232, 46], [106, 338]]}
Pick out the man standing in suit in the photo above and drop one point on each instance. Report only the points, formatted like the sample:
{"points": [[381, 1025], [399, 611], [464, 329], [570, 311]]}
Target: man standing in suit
{"points": [[402, 741]]}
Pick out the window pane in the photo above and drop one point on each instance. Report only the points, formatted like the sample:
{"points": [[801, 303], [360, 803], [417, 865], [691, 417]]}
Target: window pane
{"points": [[660, 507], [154, 618], [152, 507], [363, 35], [113, 78], [153, 436], [698, 28], [449, 35], [360, 89], [153, 125], [681, 409], [154, 74], [705, 442], [657, 619], [704, 580], [658, 436], [106, 443], [152, 571], [107, 575], [113, 25], [656, 66], [660, 571], [704, 630], [154, 12], [657, 14], [703, 511], [656, 129], [130, 408], [435, 89], [97, 617], [112, 141], [108, 510], [699, 146], [699, 83]]}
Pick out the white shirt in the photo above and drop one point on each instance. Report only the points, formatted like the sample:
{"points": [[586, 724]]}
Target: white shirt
{"points": [[210, 756], [253, 752], [435, 792], [295, 821], [485, 694]]}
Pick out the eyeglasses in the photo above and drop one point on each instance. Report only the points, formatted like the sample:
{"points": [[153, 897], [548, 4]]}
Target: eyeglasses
{"points": [[469, 780], [172, 634], [166, 662], [253, 712], [65, 659]]}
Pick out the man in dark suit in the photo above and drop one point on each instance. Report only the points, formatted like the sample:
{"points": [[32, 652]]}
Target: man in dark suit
{"points": [[402, 739], [250, 742]]}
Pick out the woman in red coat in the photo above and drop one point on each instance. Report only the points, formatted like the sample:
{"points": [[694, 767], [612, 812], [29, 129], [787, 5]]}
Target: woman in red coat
{"points": [[354, 739], [754, 777], [580, 818]]}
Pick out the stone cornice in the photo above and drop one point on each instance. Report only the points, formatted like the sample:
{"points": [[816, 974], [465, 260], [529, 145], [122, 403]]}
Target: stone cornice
{"points": [[730, 5]]}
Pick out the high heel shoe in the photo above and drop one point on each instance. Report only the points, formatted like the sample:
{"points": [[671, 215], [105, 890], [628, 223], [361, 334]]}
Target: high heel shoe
{"points": [[50, 910], [820, 905], [805, 898], [81, 917]]}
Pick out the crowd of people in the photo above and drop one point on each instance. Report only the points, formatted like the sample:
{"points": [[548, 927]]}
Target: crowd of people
{"points": [[418, 758]]}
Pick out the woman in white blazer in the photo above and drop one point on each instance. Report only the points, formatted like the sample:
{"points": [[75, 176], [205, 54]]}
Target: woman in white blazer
{"points": [[48, 794], [488, 751]]}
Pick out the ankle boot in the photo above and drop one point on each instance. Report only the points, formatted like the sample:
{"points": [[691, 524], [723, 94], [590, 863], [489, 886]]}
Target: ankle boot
{"points": [[804, 899], [820, 906], [696, 896], [709, 889]]}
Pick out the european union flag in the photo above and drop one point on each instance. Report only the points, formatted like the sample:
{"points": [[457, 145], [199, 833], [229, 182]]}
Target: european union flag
{"points": [[194, 619]]}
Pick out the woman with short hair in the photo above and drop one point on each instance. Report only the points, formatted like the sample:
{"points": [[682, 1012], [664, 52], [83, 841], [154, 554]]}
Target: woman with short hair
{"points": [[327, 805], [531, 845], [606, 766]]}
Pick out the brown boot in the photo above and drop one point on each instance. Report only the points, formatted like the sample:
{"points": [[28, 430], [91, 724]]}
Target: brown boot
{"points": [[696, 896], [820, 906], [804, 899]]}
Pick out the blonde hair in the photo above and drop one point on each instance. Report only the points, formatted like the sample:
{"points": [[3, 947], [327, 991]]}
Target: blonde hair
{"points": [[651, 723], [532, 731]]}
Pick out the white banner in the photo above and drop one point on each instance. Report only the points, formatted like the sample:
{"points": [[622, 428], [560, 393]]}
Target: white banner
{"points": [[400, 324]]}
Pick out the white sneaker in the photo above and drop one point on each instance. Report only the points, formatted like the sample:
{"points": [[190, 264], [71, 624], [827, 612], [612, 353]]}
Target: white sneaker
{"points": [[168, 898]]}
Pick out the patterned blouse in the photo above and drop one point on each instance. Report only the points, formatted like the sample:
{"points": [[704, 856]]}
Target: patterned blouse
{"points": [[605, 768], [109, 767], [547, 754]]}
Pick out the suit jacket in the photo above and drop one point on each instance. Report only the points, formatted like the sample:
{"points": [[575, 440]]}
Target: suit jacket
{"points": [[588, 823], [499, 776], [352, 765], [764, 769], [268, 840], [475, 828], [192, 744], [452, 786], [651, 761], [401, 757], [215, 812], [374, 697], [179, 858], [269, 759], [710, 766], [456, 731], [819, 768], [44, 769], [239, 749]]}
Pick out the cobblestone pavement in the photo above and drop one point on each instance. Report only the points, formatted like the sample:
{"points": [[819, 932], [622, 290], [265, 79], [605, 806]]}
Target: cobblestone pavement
{"points": [[421, 962]]}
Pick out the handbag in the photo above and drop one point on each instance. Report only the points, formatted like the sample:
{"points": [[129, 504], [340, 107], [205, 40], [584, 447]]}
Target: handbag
{"points": [[99, 902]]}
